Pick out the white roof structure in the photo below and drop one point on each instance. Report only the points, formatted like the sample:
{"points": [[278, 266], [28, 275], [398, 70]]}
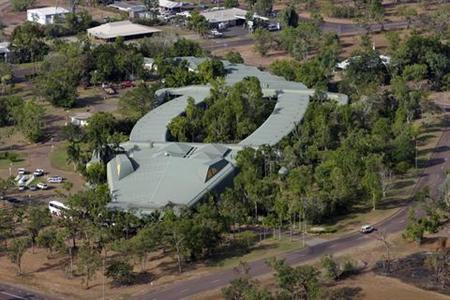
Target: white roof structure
{"points": [[172, 4], [125, 6], [52, 10], [153, 173], [224, 15], [4, 47], [123, 28]]}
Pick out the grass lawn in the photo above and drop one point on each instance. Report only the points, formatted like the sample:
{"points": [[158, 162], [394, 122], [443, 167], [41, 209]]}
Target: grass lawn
{"points": [[265, 249], [20, 161], [58, 158]]}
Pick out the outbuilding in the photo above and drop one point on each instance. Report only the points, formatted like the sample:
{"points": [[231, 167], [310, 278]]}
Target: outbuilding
{"points": [[125, 29], [80, 119], [226, 16], [46, 15], [4, 51]]}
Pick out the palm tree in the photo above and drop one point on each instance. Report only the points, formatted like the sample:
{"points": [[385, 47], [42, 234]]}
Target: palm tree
{"points": [[74, 154]]}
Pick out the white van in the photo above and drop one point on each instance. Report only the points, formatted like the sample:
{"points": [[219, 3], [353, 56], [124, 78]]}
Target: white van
{"points": [[57, 208]]}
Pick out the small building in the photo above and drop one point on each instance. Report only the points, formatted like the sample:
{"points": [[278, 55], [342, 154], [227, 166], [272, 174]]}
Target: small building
{"points": [[4, 51], [125, 29], [172, 6], [227, 16], [80, 119], [46, 15]]}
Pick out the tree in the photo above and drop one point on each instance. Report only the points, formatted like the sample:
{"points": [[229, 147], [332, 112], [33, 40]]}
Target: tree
{"points": [[371, 180], [22, 5], [50, 239], [414, 230], [38, 218], [7, 226], [152, 6], [101, 127], [296, 283], [198, 23], [27, 42], [58, 80], [138, 101], [289, 17], [6, 76], [175, 235], [144, 242], [210, 69], [78, 22], [263, 40], [244, 288], [263, 7], [231, 3], [31, 121], [17, 249], [331, 267], [234, 57], [89, 261], [120, 271], [96, 173]]}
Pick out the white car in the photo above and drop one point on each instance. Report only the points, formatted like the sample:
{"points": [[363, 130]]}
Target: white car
{"points": [[274, 27], [21, 171], [55, 179], [42, 186], [38, 172], [22, 187], [216, 33], [367, 228]]}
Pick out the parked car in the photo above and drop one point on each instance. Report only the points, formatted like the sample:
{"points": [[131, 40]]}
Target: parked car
{"points": [[42, 186], [55, 179], [367, 228], [38, 172], [21, 171], [127, 84], [274, 27], [22, 187], [32, 187], [215, 33]]}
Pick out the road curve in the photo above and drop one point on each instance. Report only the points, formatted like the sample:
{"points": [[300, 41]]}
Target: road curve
{"points": [[433, 176]]}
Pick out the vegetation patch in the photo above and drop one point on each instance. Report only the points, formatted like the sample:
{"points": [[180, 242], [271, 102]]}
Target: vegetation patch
{"points": [[228, 115], [9, 158], [59, 158]]}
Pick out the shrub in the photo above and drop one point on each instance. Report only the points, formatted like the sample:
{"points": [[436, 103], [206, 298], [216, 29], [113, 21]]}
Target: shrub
{"points": [[246, 239], [332, 270], [234, 57], [121, 272]]}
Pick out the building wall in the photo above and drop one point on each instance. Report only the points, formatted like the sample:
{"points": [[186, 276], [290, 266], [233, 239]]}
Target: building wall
{"points": [[43, 19]]}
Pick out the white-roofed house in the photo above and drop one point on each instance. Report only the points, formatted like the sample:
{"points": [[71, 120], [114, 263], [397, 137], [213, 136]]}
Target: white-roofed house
{"points": [[125, 29], [46, 15], [229, 16]]}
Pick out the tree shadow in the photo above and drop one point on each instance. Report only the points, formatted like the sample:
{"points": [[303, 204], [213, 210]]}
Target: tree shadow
{"points": [[426, 163], [346, 293], [402, 184]]}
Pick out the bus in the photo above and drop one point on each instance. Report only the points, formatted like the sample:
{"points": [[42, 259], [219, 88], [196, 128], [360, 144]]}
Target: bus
{"points": [[57, 208]]}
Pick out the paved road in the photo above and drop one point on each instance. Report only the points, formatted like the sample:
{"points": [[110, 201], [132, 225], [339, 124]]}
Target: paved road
{"points": [[338, 28], [8, 292], [433, 175]]}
